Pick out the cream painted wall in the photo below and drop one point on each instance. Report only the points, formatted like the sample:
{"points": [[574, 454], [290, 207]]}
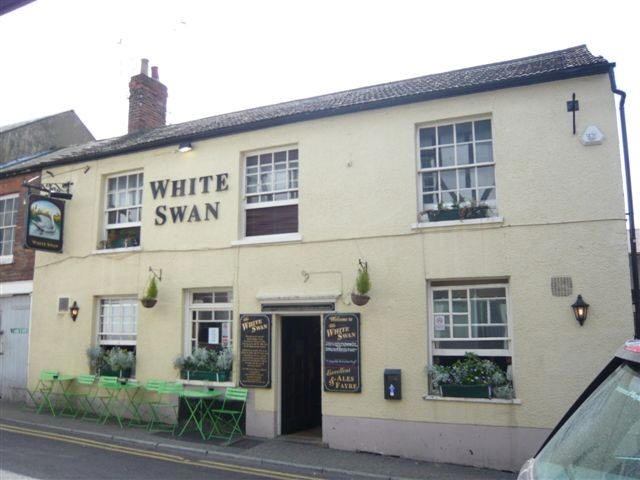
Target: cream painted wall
{"points": [[563, 214]]}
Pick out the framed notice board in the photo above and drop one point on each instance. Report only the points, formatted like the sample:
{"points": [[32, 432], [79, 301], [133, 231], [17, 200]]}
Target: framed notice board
{"points": [[255, 350], [342, 352]]}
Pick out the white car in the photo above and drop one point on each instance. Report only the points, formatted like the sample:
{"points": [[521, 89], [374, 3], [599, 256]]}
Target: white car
{"points": [[599, 437]]}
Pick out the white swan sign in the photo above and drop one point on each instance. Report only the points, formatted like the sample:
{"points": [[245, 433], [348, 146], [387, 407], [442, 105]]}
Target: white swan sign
{"points": [[45, 221]]}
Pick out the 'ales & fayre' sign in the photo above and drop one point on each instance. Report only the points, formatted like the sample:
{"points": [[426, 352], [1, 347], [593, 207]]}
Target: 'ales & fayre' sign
{"points": [[255, 350], [342, 352], [45, 220]]}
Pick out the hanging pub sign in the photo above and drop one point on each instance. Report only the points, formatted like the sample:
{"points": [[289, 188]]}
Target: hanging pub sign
{"points": [[255, 350], [45, 223], [342, 352]]}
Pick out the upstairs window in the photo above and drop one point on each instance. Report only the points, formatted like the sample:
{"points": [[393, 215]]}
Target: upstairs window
{"points": [[8, 221], [123, 212], [456, 171], [271, 192]]}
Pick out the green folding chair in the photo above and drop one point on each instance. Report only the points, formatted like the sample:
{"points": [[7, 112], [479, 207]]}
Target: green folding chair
{"points": [[165, 389], [81, 401], [33, 394], [44, 388], [112, 388], [148, 395], [229, 415]]}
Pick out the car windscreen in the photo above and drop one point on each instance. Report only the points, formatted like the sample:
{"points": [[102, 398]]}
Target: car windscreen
{"points": [[601, 440]]}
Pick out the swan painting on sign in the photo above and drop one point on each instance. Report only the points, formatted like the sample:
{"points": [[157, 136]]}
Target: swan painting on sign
{"points": [[45, 220]]}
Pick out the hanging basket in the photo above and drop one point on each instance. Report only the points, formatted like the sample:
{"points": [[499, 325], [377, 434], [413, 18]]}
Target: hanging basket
{"points": [[148, 302], [359, 300]]}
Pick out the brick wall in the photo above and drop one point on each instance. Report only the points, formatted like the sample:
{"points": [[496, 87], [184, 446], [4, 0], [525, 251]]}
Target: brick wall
{"points": [[147, 103], [22, 266]]}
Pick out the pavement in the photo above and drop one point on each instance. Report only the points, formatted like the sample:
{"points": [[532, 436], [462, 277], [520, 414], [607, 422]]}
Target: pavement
{"points": [[279, 452]]}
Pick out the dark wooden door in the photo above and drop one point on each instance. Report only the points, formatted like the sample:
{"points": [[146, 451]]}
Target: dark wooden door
{"points": [[301, 374]]}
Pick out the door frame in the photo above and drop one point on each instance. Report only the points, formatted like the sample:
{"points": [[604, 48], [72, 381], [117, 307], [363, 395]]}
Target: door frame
{"points": [[279, 355], [22, 287]]}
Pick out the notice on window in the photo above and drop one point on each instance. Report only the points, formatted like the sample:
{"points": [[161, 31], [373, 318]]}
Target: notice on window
{"points": [[342, 352], [255, 350], [225, 334], [214, 336], [438, 323]]}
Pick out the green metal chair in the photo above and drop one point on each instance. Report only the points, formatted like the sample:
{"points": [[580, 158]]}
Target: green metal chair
{"points": [[148, 395], [229, 415], [165, 389], [111, 386], [44, 388], [81, 401]]}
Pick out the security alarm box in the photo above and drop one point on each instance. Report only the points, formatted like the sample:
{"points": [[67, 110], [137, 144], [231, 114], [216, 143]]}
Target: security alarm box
{"points": [[392, 384]]}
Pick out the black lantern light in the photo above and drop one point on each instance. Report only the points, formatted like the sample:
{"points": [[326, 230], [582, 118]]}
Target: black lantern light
{"points": [[74, 310], [580, 309]]}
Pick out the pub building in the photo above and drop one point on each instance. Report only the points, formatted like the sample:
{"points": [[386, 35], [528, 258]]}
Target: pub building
{"points": [[475, 201]]}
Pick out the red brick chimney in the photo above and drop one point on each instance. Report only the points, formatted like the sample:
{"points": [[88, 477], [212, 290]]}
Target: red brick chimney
{"points": [[147, 99]]}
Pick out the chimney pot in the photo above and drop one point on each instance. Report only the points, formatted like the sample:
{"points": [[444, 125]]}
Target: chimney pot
{"points": [[147, 100]]}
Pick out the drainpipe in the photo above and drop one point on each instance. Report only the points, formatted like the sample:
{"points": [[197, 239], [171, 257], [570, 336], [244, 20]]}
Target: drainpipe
{"points": [[635, 289]]}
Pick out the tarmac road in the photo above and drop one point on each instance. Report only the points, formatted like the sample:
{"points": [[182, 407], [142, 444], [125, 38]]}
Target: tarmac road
{"points": [[27, 453]]}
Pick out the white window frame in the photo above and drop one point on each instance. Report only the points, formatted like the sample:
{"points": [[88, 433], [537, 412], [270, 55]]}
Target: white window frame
{"points": [[129, 300], [195, 307], [117, 226], [436, 352], [8, 257], [288, 190], [493, 203]]}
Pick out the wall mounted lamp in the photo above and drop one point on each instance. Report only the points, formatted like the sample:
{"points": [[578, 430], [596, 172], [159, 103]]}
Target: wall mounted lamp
{"points": [[185, 147], [580, 309], [74, 310]]}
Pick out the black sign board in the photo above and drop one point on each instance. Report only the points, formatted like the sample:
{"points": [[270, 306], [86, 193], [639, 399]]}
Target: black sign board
{"points": [[45, 223], [255, 350], [342, 352]]}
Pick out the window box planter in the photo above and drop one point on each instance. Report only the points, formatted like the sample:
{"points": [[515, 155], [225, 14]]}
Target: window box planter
{"points": [[107, 372], [466, 391], [462, 213], [198, 375]]}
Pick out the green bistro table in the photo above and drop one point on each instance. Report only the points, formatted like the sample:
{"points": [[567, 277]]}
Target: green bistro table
{"points": [[131, 390], [113, 390], [199, 408], [64, 383]]}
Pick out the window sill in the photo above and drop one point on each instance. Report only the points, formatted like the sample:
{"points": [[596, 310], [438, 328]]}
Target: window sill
{"points": [[6, 259], [278, 238], [116, 250], [502, 401], [455, 223], [205, 383]]}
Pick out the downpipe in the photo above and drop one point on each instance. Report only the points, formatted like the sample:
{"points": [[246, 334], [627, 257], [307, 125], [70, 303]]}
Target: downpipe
{"points": [[635, 288]]}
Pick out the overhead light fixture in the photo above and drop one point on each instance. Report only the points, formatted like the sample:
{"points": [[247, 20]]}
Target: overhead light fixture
{"points": [[74, 310], [185, 147], [580, 309]]}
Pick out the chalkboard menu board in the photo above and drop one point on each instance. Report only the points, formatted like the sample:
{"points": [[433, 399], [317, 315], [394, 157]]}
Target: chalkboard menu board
{"points": [[342, 352], [255, 350]]}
